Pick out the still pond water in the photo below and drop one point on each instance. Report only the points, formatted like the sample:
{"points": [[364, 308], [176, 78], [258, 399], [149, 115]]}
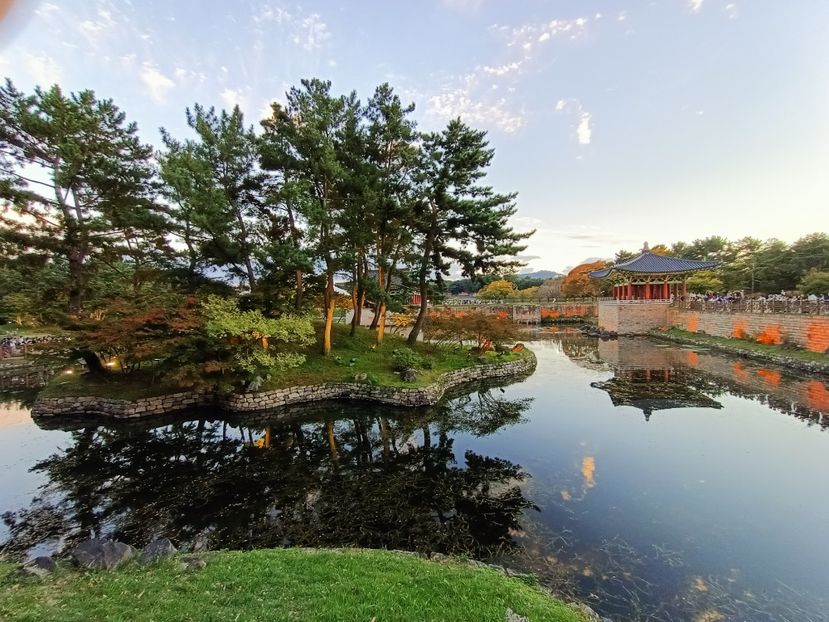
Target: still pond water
{"points": [[654, 482]]}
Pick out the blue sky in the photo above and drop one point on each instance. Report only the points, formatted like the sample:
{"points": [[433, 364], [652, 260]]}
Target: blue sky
{"points": [[616, 122]]}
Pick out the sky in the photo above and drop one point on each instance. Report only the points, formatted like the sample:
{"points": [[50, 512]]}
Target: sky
{"points": [[616, 122]]}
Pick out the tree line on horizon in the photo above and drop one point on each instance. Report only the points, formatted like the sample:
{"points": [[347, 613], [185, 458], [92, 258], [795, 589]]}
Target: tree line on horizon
{"points": [[749, 264], [93, 218]]}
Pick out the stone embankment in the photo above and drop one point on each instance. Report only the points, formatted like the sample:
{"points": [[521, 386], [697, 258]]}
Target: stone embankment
{"points": [[265, 400], [775, 358]]}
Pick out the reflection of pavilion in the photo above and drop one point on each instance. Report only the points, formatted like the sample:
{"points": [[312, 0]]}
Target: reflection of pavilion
{"points": [[649, 378], [653, 389]]}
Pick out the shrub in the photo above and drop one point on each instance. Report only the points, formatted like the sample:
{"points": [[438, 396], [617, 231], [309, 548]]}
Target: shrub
{"points": [[485, 330], [405, 358]]}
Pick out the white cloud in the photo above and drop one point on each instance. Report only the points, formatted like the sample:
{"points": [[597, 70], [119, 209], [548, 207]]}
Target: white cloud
{"points": [[584, 130], [312, 33], [234, 97], [270, 13], [46, 9], [527, 35], [695, 5], [622, 16], [43, 69], [731, 10], [459, 103], [95, 29], [502, 70], [157, 83]]}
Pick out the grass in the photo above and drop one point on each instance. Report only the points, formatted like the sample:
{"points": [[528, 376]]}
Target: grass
{"points": [[377, 363], [282, 584], [743, 345]]}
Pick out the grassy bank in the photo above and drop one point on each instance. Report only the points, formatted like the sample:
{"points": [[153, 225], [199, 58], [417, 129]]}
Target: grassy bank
{"points": [[349, 357], [282, 584], [784, 355]]}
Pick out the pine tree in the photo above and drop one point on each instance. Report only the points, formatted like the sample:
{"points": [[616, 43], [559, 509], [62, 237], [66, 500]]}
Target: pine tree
{"points": [[458, 219], [216, 187], [79, 183]]}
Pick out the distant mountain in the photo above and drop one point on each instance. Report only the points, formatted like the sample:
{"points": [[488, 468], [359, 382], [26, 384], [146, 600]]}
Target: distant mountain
{"points": [[540, 274]]}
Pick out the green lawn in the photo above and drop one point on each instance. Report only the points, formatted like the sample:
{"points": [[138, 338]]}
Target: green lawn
{"points": [[742, 345], [282, 584], [317, 369]]}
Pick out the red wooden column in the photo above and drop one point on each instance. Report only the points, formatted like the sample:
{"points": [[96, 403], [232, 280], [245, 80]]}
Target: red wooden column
{"points": [[648, 290], [666, 290], [630, 291]]}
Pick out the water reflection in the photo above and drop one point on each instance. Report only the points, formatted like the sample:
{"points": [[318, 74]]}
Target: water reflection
{"points": [[713, 510], [651, 377], [355, 477]]}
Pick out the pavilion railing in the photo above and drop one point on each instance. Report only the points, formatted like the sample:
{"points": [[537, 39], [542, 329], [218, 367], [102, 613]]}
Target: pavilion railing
{"points": [[787, 305]]}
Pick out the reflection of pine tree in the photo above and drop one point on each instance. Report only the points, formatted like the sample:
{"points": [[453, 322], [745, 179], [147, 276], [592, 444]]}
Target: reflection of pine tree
{"points": [[390, 483]]}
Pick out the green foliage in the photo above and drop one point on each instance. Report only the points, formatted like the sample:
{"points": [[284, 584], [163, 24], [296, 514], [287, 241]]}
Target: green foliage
{"points": [[18, 308], [814, 282], [254, 344], [96, 202], [406, 358], [705, 281], [216, 188]]}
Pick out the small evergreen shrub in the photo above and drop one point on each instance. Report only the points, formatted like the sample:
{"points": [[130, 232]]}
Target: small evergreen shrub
{"points": [[404, 358]]}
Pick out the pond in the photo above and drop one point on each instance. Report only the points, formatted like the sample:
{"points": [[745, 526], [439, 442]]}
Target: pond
{"points": [[653, 482]]}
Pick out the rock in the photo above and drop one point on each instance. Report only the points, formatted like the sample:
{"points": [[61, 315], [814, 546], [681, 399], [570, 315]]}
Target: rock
{"points": [[192, 562], [157, 549], [360, 377], [40, 566], [98, 554], [511, 616], [408, 375]]}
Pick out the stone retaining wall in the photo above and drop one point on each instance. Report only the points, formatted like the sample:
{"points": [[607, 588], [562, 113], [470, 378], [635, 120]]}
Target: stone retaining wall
{"points": [[810, 332], [632, 317], [265, 400]]}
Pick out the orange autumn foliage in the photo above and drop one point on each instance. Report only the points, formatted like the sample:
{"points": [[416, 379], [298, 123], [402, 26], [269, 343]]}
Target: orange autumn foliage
{"points": [[771, 336], [577, 283]]}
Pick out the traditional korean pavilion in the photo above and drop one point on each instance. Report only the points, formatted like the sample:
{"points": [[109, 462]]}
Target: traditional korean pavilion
{"points": [[650, 276]]}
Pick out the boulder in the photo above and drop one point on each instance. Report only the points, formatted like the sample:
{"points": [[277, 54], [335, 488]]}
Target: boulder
{"points": [[408, 375], [157, 549], [192, 562], [40, 566], [98, 554], [511, 616]]}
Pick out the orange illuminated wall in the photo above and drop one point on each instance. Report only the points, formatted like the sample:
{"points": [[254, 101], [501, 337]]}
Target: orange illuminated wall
{"points": [[805, 331]]}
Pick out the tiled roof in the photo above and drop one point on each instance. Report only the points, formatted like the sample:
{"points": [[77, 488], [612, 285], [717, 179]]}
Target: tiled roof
{"points": [[655, 264]]}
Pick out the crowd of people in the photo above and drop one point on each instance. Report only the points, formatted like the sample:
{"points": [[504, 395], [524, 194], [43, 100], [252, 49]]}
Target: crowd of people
{"points": [[20, 346], [740, 296]]}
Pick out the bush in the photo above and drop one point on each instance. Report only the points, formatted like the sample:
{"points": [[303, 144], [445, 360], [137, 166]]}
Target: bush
{"points": [[485, 330], [405, 358]]}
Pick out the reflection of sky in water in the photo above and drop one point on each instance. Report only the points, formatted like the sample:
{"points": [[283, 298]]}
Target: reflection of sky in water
{"points": [[701, 503]]}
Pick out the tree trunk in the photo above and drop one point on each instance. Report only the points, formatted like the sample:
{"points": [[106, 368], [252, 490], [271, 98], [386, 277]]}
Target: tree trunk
{"points": [[75, 282], [299, 288], [421, 314], [93, 362], [381, 324], [424, 290], [329, 303]]}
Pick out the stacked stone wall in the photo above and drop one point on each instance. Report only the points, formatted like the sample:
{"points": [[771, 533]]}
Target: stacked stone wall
{"points": [[810, 332], [265, 400], [626, 318]]}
